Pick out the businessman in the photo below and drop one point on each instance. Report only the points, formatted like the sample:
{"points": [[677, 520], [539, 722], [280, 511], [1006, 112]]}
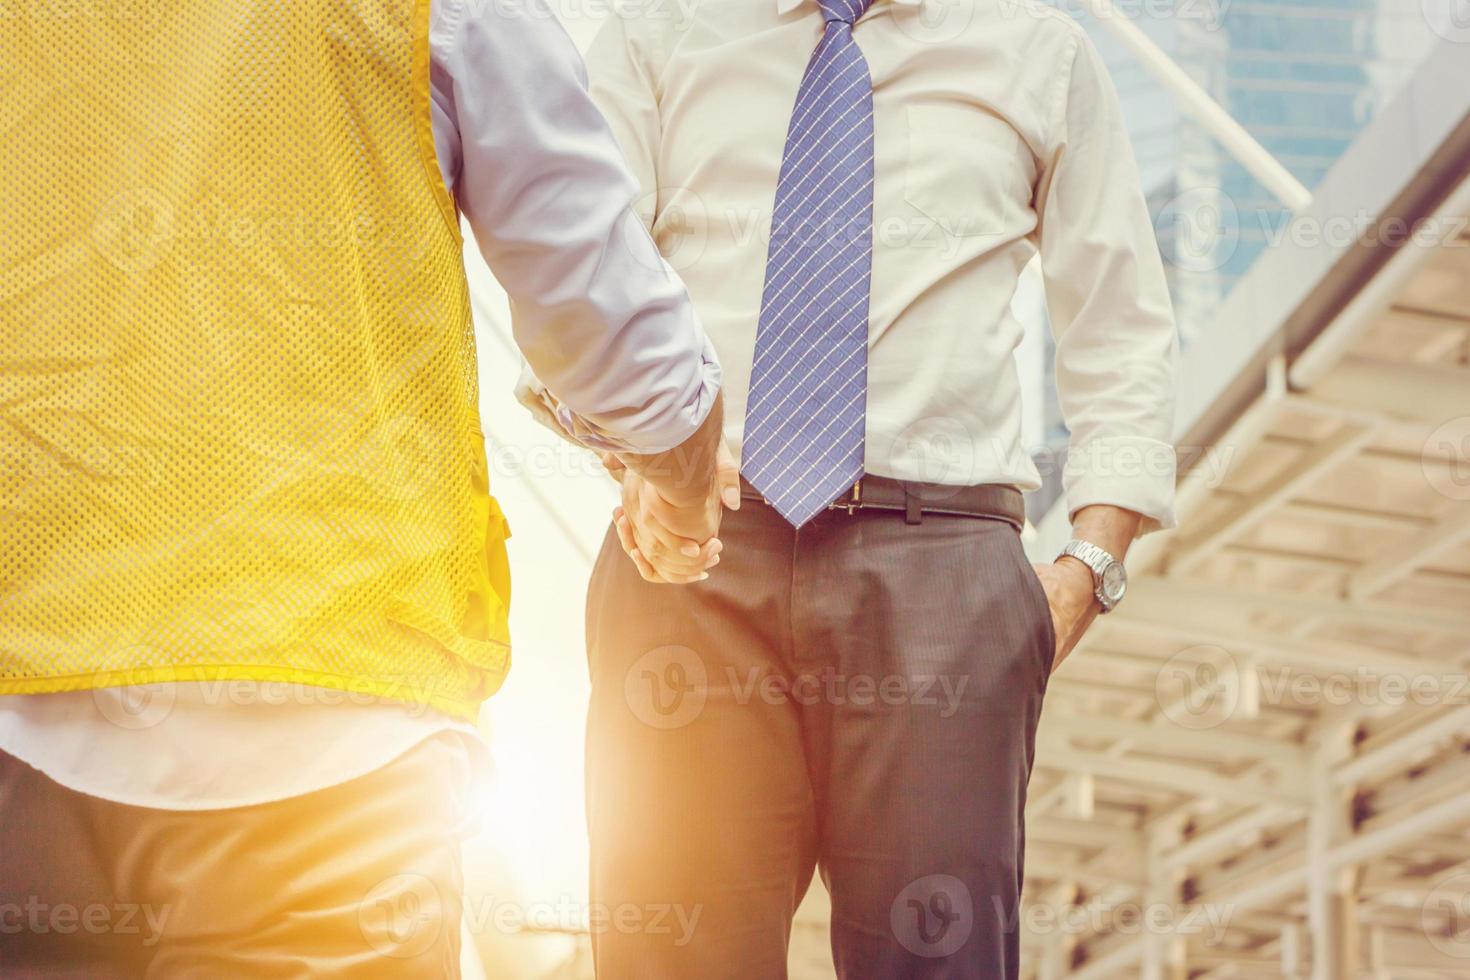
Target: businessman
{"points": [[850, 193], [253, 584]]}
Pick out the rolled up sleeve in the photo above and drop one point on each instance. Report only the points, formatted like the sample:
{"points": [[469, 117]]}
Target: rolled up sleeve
{"points": [[607, 328], [1116, 341]]}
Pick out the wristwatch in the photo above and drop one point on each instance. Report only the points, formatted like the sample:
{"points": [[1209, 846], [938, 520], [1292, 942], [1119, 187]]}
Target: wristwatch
{"points": [[1109, 577]]}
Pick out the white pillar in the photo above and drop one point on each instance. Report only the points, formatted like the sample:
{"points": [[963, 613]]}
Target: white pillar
{"points": [[1332, 912], [1166, 955]]}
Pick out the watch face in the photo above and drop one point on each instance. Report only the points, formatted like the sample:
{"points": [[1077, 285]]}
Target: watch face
{"points": [[1114, 582]]}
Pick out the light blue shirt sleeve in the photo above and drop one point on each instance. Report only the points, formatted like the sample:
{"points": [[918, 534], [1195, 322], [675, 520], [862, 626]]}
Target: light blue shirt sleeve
{"points": [[603, 321]]}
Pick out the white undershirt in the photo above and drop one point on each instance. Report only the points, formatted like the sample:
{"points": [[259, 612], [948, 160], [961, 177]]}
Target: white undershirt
{"points": [[212, 746]]}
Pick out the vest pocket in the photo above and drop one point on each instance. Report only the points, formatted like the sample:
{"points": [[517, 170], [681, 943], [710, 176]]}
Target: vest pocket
{"points": [[482, 636], [487, 615]]}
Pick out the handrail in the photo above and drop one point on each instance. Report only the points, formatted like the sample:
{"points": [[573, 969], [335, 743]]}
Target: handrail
{"points": [[1205, 110]]}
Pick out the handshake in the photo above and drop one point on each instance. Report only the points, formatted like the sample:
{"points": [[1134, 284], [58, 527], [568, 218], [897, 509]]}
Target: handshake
{"points": [[669, 519]]}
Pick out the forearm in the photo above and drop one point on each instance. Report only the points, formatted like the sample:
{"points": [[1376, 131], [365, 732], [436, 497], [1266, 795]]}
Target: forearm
{"points": [[686, 473], [1110, 528], [1069, 582]]}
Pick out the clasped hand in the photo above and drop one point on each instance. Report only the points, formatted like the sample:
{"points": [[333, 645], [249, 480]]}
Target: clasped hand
{"points": [[671, 532]]}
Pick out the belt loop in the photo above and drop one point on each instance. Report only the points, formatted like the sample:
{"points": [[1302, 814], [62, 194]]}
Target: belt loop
{"points": [[913, 507]]}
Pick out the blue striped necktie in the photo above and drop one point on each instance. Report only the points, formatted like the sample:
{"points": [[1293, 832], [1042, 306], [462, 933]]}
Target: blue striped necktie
{"points": [[804, 423]]}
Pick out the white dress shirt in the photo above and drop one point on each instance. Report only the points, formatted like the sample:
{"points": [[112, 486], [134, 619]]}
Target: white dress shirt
{"points": [[998, 136], [598, 314]]}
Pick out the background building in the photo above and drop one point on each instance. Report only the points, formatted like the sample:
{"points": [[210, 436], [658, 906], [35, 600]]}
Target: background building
{"points": [[1304, 77]]}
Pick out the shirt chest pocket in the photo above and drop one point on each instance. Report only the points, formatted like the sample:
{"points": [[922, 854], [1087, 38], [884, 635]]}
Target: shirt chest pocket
{"points": [[964, 170]]}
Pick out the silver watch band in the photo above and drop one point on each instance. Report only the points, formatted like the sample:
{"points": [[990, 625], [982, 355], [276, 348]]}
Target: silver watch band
{"points": [[1090, 555], [1099, 560]]}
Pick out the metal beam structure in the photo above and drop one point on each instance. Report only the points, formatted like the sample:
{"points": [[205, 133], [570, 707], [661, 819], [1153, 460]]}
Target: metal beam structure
{"points": [[1274, 730]]}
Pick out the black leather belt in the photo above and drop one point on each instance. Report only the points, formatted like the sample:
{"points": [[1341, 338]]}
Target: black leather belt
{"points": [[997, 501]]}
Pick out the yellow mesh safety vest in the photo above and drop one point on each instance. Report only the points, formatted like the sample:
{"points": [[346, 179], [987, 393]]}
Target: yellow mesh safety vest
{"points": [[239, 434]]}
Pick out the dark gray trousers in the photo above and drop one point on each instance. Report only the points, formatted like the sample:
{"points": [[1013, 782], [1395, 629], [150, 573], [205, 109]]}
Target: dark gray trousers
{"points": [[859, 697]]}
